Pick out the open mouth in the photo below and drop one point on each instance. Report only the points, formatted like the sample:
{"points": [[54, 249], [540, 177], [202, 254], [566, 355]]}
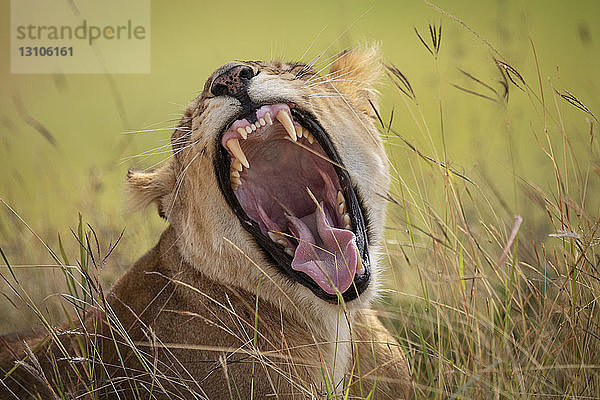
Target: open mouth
{"points": [[281, 175]]}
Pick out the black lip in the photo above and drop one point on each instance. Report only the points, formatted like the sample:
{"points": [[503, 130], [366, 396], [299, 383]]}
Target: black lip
{"points": [[274, 252]]}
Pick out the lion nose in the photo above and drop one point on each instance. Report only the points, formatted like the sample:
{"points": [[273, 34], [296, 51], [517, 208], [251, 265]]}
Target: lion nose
{"points": [[233, 82]]}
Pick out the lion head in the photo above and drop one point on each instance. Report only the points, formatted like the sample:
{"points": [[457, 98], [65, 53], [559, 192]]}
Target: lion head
{"points": [[277, 177]]}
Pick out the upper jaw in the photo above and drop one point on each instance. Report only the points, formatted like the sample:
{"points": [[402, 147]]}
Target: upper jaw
{"points": [[299, 125]]}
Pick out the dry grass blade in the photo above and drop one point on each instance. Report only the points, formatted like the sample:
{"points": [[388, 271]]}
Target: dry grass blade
{"points": [[511, 73], [435, 34], [423, 41], [474, 92], [511, 239], [574, 101], [400, 81], [478, 81], [472, 77], [32, 122], [376, 111]]}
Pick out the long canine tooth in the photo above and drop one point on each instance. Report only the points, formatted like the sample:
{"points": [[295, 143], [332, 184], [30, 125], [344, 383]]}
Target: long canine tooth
{"points": [[273, 236], [237, 165], [286, 121], [243, 133], [236, 150], [268, 118]]}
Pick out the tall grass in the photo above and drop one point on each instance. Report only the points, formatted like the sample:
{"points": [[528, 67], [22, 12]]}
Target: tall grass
{"points": [[504, 300]]}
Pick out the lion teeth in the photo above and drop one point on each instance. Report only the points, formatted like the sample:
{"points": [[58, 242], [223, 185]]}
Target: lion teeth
{"points": [[268, 118], [299, 131], [289, 251], [237, 165], [346, 220], [262, 122], [236, 150], [277, 238], [234, 175], [273, 236], [309, 137], [253, 126], [248, 129], [243, 133], [341, 203], [286, 121]]}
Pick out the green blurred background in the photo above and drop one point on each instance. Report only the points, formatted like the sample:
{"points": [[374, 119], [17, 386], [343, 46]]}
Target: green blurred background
{"points": [[89, 115]]}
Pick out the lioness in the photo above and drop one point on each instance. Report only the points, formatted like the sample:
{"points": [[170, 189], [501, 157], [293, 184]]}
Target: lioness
{"points": [[261, 285]]}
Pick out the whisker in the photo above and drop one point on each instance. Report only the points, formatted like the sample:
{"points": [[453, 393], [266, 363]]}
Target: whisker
{"points": [[339, 57], [311, 43], [341, 34], [154, 151]]}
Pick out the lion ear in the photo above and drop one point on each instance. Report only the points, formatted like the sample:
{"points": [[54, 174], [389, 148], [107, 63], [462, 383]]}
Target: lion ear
{"points": [[355, 74], [146, 187]]}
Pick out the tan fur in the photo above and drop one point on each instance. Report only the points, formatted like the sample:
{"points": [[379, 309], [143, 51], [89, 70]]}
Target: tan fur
{"points": [[189, 305], [357, 73], [149, 187]]}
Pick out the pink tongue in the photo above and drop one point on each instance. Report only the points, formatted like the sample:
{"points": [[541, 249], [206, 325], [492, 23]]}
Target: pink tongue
{"points": [[325, 253]]}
